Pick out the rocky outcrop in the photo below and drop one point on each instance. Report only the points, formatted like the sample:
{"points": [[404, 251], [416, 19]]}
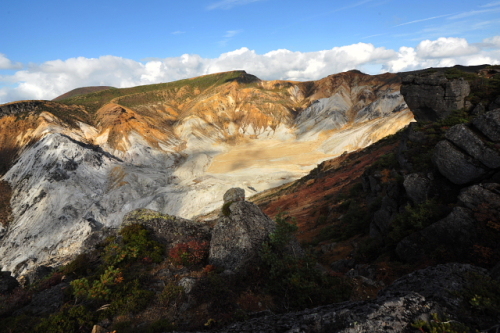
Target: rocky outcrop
{"points": [[467, 155], [454, 234], [464, 138], [489, 124], [431, 96], [19, 107], [239, 233], [167, 229], [7, 283], [413, 297], [455, 165], [417, 187]]}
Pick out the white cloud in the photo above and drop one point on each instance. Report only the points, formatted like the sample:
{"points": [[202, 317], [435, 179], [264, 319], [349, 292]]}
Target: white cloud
{"points": [[493, 41], [53, 78], [445, 47], [6, 63], [228, 4]]}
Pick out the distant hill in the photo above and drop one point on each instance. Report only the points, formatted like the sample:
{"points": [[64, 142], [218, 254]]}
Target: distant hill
{"points": [[82, 91]]}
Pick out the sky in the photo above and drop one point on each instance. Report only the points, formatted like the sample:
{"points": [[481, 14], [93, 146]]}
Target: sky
{"points": [[53, 46]]}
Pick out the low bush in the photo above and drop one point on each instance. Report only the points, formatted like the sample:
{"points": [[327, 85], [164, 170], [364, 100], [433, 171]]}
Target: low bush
{"points": [[190, 253], [73, 319], [437, 325], [294, 281], [482, 294], [416, 218], [136, 243]]}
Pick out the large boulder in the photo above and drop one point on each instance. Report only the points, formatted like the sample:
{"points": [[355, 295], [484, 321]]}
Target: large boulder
{"points": [[464, 138], [238, 235], [458, 167], [489, 124], [431, 96], [454, 235], [417, 187], [484, 194], [168, 229], [7, 283]]}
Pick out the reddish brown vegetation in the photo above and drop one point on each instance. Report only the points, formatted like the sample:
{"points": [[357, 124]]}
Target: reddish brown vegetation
{"points": [[311, 199], [190, 253]]}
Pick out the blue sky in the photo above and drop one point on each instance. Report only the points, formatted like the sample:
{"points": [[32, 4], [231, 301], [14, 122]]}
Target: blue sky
{"points": [[49, 47]]}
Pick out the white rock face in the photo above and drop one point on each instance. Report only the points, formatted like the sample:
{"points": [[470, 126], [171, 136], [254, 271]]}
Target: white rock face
{"points": [[64, 189]]}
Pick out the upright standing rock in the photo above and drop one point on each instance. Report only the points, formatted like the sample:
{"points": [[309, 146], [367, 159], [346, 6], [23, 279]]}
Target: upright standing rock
{"points": [[239, 233]]}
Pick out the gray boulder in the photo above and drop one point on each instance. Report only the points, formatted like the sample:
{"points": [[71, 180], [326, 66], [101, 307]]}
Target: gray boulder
{"points": [[473, 196], [478, 110], [238, 237], [417, 187], [454, 234], [489, 124], [458, 167], [436, 283], [168, 229], [431, 96], [234, 194], [463, 137]]}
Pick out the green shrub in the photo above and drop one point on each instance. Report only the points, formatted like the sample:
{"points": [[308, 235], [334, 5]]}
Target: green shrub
{"points": [[294, 280], [22, 323], [437, 325], [171, 292], [415, 219], [482, 294], [100, 289], [136, 244], [130, 297], [73, 319]]}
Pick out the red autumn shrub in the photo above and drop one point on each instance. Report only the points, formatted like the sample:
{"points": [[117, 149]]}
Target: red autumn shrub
{"points": [[190, 253]]}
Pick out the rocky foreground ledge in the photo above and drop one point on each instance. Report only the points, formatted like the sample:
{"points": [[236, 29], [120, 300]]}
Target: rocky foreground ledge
{"points": [[413, 298]]}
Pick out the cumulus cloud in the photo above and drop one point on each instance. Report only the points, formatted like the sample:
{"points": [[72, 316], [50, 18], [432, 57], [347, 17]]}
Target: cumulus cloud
{"points": [[445, 47], [53, 78], [6, 63], [493, 41]]}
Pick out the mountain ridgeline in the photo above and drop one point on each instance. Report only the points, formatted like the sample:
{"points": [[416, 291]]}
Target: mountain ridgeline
{"points": [[126, 208]]}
